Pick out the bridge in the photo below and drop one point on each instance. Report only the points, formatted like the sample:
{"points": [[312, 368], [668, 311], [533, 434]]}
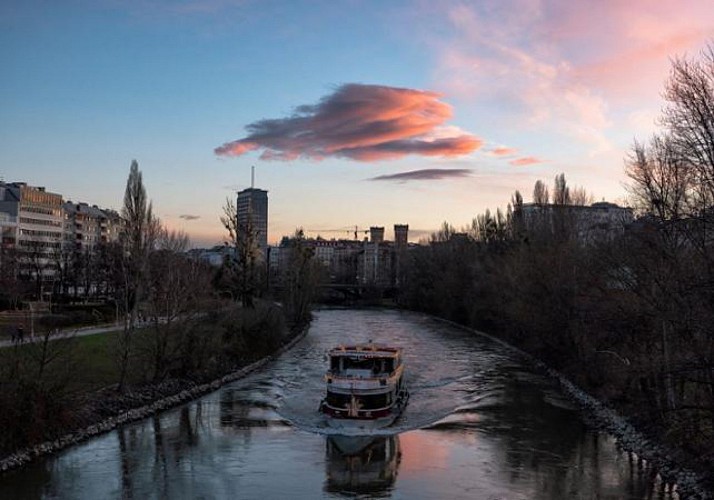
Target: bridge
{"points": [[351, 291]]}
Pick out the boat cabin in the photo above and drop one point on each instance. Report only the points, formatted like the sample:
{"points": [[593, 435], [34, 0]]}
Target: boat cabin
{"points": [[364, 382], [363, 361]]}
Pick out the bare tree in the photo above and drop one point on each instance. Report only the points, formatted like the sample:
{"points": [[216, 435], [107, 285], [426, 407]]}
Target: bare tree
{"points": [[173, 241], [540, 193], [580, 197], [673, 180], [689, 117], [240, 266], [561, 191], [517, 200], [515, 216], [300, 280], [445, 233], [10, 284], [137, 237], [662, 179], [37, 263], [490, 228], [177, 285]]}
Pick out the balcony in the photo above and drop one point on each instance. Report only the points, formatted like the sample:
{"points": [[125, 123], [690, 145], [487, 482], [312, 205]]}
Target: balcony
{"points": [[7, 219]]}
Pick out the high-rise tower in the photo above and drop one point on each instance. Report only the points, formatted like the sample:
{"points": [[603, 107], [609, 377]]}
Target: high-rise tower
{"points": [[401, 235], [376, 234], [252, 208]]}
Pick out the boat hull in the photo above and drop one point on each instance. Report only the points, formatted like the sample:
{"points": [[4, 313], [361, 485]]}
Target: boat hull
{"points": [[365, 388], [363, 422]]}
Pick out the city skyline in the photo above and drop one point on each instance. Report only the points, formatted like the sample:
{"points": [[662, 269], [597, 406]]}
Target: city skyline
{"points": [[354, 114]]}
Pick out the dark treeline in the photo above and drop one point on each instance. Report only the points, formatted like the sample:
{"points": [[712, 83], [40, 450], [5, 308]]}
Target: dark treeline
{"points": [[179, 322], [627, 314]]}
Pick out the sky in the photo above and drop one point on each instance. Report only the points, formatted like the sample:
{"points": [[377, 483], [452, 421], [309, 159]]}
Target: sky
{"points": [[353, 113]]}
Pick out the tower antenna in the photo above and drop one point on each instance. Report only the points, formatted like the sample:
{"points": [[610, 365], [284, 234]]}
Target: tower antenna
{"points": [[252, 177]]}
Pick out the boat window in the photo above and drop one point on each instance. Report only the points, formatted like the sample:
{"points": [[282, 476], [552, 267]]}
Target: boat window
{"points": [[338, 400], [335, 364], [389, 365], [360, 364], [374, 402], [371, 402]]}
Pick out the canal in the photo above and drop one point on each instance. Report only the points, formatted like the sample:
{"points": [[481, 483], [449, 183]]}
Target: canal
{"points": [[479, 425]]}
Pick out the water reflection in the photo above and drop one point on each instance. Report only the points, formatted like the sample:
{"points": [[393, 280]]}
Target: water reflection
{"points": [[232, 411], [539, 445], [244, 410], [361, 465], [158, 450]]}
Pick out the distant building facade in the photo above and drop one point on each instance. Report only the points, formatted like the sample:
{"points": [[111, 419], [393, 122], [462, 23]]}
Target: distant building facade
{"points": [[38, 230], [376, 234], [214, 256], [252, 216], [401, 235], [86, 226], [372, 261], [9, 215], [33, 226], [601, 220]]}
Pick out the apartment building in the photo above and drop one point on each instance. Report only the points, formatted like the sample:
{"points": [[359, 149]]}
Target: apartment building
{"points": [[32, 224], [37, 226], [601, 220], [86, 226]]}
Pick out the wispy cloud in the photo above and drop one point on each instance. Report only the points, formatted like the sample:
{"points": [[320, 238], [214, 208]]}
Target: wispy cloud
{"points": [[503, 151], [525, 160], [361, 122], [428, 174], [189, 217], [554, 66]]}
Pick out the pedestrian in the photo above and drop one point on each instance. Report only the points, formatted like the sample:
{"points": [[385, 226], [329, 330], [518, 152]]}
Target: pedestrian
{"points": [[13, 335], [20, 334]]}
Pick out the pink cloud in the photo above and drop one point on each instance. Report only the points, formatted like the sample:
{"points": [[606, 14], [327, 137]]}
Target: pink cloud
{"points": [[557, 66], [525, 160], [613, 72], [361, 122], [503, 151]]}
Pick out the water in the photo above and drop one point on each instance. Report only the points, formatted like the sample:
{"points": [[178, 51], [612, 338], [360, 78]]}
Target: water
{"points": [[479, 425]]}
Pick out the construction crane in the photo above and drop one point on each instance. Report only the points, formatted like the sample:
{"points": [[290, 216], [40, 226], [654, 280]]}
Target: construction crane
{"points": [[356, 230]]}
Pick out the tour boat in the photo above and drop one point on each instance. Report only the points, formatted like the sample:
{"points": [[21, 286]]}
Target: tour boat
{"points": [[365, 386]]}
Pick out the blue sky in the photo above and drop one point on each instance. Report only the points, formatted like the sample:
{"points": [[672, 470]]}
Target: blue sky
{"points": [[87, 86]]}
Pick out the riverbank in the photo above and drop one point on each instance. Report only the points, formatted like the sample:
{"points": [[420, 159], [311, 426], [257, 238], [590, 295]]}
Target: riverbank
{"points": [[671, 466], [106, 410]]}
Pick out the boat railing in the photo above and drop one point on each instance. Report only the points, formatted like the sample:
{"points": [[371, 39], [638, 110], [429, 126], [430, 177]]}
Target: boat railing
{"points": [[363, 410], [402, 394], [367, 375]]}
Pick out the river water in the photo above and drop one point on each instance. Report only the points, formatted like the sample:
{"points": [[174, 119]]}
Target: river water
{"points": [[479, 425]]}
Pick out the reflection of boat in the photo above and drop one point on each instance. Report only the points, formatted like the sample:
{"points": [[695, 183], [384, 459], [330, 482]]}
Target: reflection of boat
{"points": [[370, 469], [365, 386]]}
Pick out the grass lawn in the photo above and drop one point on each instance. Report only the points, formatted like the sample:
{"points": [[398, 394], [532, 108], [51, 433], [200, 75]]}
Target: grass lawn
{"points": [[96, 363], [91, 359]]}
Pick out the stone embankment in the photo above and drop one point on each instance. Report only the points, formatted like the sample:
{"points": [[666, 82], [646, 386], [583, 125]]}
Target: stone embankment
{"points": [[688, 484], [155, 399]]}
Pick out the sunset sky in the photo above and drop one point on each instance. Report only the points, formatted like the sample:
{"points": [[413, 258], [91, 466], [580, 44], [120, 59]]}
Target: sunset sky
{"points": [[354, 113]]}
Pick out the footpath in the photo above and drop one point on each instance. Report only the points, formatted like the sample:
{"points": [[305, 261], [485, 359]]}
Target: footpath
{"points": [[68, 333], [64, 334]]}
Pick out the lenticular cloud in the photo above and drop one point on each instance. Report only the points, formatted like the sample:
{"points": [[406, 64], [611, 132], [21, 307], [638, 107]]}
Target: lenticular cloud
{"points": [[427, 174], [361, 122]]}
